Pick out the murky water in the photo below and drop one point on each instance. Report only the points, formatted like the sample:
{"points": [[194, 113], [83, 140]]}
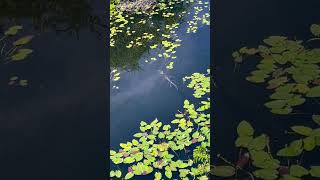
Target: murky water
{"points": [[247, 23], [50, 128]]}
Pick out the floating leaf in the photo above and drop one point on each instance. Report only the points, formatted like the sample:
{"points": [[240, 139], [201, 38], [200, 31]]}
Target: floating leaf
{"points": [[267, 164], [298, 171], [157, 176], [118, 173], [168, 173], [296, 100], [316, 119], [128, 160], [21, 54], [315, 171], [258, 143], [303, 130], [274, 83], [276, 104], [245, 129], [243, 141], [314, 92], [315, 29], [260, 156], [288, 177], [282, 111], [267, 174], [25, 51], [112, 174], [129, 175], [12, 30], [294, 149], [255, 79], [223, 171], [13, 78], [281, 95], [23, 40], [301, 88], [309, 143]]}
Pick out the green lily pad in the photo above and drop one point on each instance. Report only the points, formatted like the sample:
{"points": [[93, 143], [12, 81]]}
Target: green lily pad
{"points": [[282, 111], [243, 141], [266, 174], [276, 104], [315, 171], [294, 149], [296, 100], [315, 29], [223, 171], [245, 129], [258, 143], [314, 92], [316, 119], [303, 130], [23, 40], [298, 171], [129, 175]]}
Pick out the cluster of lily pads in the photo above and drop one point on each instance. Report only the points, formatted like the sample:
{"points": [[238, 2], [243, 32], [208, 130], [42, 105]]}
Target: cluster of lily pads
{"points": [[290, 67], [176, 150], [256, 158], [135, 31], [292, 70], [12, 50]]}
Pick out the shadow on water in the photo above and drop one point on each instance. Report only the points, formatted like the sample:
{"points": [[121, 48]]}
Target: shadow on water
{"points": [[247, 23], [45, 125]]}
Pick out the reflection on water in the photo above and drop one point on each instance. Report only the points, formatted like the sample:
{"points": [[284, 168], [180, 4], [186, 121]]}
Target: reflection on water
{"points": [[58, 15], [145, 89]]}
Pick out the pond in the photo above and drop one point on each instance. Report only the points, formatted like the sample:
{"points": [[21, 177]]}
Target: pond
{"points": [[248, 23], [146, 94], [47, 119], [148, 63]]}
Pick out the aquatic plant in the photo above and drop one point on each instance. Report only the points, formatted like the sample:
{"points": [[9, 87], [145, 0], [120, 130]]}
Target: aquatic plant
{"points": [[58, 15], [152, 29], [167, 40], [12, 50], [290, 67], [256, 158], [180, 148]]}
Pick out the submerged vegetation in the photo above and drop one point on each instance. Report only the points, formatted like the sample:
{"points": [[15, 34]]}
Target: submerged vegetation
{"points": [[179, 149], [58, 15], [151, 26], [12, 50]]}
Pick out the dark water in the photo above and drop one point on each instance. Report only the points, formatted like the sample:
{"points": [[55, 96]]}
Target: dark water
{"points": [[247, 23], [51, 129]]}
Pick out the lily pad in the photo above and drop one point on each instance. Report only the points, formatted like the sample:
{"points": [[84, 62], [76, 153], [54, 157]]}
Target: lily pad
{"points": [[223, 171], [245, 129]]}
